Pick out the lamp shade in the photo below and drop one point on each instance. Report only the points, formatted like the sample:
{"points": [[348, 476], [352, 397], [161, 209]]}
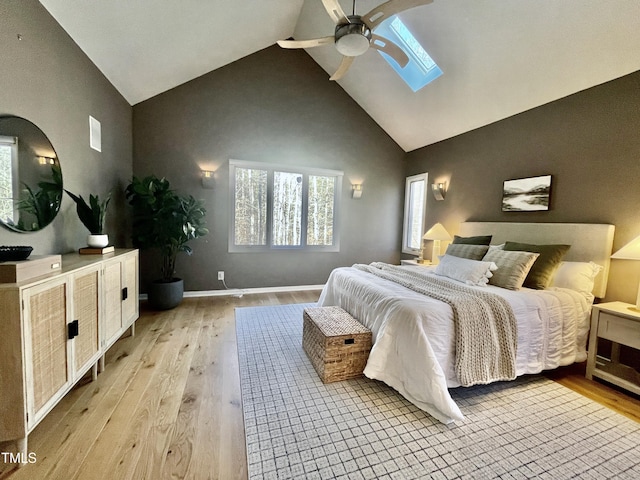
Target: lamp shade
{"points": [[437, 232], [631, 251]]}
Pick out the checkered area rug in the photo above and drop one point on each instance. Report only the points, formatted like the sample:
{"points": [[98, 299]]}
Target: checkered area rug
{"points": [[297, 427]]}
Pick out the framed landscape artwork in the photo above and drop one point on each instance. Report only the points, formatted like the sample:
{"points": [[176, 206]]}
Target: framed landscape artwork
{"points": [[526, 194]]}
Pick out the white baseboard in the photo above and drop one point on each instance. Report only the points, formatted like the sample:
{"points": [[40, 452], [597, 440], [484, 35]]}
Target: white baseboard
{"points": [[244, 291]]}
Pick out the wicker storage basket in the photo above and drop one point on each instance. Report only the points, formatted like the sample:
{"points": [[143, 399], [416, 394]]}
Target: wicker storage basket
{"points": [[336, 343]]}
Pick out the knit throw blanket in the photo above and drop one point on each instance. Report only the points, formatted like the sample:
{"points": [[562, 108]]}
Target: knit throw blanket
{"points": [[485, 326]]}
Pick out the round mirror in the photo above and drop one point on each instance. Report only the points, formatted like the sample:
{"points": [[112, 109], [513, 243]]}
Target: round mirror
{"points": [[30, 176]]}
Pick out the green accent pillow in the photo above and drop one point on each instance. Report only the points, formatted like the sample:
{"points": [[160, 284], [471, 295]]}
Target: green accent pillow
{"points": [[472, 252], [479, 240], [544, 267]]}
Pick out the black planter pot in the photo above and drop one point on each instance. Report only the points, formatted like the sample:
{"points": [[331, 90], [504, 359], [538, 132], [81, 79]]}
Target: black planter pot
{"points": [[166, 295]]}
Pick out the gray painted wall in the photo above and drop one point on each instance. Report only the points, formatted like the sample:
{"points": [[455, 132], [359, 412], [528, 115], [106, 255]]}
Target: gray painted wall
{"points": [[589, 142], [47, 79], [275, 106]]}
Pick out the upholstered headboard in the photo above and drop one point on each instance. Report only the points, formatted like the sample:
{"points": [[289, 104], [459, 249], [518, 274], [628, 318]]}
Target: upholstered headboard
{"points": [[589, 241]]}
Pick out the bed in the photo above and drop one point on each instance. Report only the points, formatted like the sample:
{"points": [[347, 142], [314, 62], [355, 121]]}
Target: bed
{"points": [[414, 335]]}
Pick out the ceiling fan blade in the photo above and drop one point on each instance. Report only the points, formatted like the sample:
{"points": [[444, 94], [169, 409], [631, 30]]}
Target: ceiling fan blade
{"points": [[316, 42], [388, 9], [390, 48], [342, 69], [335, 11]]}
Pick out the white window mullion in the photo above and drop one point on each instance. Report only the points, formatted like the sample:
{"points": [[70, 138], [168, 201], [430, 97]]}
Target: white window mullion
{"points": [[305, 210]]}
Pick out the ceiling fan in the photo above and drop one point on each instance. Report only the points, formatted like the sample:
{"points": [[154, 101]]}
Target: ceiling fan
{"points": [[354, 33]]}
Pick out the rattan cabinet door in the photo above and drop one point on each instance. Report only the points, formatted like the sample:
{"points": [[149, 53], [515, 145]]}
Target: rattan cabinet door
{"points": [[130, 309], [86, 343], [112, 301], [46, 346]]}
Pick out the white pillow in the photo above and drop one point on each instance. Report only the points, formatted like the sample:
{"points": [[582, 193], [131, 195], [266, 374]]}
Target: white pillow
{"points": [[471, 272], [578, 276], [493, 248]]}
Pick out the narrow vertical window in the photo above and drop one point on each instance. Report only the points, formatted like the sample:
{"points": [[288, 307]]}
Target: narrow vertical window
{"points": [[250, 207], [287, 209], [414, 213], [322, 192]]}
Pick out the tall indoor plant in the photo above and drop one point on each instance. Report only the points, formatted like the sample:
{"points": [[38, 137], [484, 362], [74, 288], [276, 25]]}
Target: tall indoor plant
{"points": [[165, 221]]}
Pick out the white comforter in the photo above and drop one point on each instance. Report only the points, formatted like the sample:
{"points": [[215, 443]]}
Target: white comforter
{"points": [[413, 335]]}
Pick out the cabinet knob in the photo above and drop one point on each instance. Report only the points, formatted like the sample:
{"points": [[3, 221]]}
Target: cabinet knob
{"points": [[125, 293]]}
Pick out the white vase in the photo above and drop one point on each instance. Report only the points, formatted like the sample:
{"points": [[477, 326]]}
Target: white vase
{"points": [[98, 241]]}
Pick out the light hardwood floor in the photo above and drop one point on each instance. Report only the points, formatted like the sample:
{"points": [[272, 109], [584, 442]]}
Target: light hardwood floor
{"points": [[168, 404]]}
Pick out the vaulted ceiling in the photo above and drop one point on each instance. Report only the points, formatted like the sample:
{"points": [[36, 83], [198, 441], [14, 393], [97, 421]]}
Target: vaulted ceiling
{"points": [[499, 57]]}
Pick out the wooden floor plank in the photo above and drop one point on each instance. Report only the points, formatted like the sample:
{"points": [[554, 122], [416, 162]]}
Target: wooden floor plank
{"points": [[180, 454], [121, 431], [160, 405], [168, 403]]}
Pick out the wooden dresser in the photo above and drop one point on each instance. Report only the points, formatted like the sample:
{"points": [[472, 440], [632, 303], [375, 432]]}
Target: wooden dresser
{"points": [[56, 328]]}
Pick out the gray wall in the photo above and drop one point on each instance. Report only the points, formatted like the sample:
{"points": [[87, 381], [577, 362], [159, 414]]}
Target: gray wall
{"points": [[589, 142], [47, 79], [277, 106], [274, 106]]}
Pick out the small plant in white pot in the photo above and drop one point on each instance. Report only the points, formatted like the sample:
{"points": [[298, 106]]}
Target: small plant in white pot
{"points": [[92, 216]]}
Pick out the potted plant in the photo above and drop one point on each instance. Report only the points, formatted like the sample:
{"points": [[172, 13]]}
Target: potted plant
{"points": [[39, 206], [92, 216], [165, 221]]}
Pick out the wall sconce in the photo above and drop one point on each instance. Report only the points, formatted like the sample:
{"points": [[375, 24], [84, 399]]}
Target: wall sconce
{"points": [[207, 179], [357, 190], [439, 190], [46, 161]]}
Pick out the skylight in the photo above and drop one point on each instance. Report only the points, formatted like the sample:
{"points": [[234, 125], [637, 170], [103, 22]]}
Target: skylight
{"points": [[421, 68]]}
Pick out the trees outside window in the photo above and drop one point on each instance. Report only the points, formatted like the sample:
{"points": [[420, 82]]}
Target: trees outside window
{"points": [[277, 207]]}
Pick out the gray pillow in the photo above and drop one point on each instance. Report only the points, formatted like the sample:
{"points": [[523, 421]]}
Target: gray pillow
{"points": [[472, 252], [477, 240], [513, 267]]}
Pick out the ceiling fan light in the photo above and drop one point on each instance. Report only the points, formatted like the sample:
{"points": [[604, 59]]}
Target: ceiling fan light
{"points": [[353, 39], [352, 45]]}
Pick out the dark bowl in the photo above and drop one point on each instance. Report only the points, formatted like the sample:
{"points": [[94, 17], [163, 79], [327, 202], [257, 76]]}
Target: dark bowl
{"points": [[13, 254]]}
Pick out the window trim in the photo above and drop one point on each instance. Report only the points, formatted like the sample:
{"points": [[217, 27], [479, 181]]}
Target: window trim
{"points": [[407, 207], [270, 168]]}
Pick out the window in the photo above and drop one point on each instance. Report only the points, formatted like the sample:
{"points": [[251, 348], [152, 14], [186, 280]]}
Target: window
{"points": [[415, 203], [8, 176], [278, 207], [421, 69]]}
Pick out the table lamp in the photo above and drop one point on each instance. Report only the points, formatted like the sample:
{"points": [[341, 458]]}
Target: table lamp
{"points": [[631, 251], [436, 233]]}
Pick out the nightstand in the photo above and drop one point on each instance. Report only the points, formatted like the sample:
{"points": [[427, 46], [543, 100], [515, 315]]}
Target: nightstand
{"points": [[426, 263], [614, 321]]}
